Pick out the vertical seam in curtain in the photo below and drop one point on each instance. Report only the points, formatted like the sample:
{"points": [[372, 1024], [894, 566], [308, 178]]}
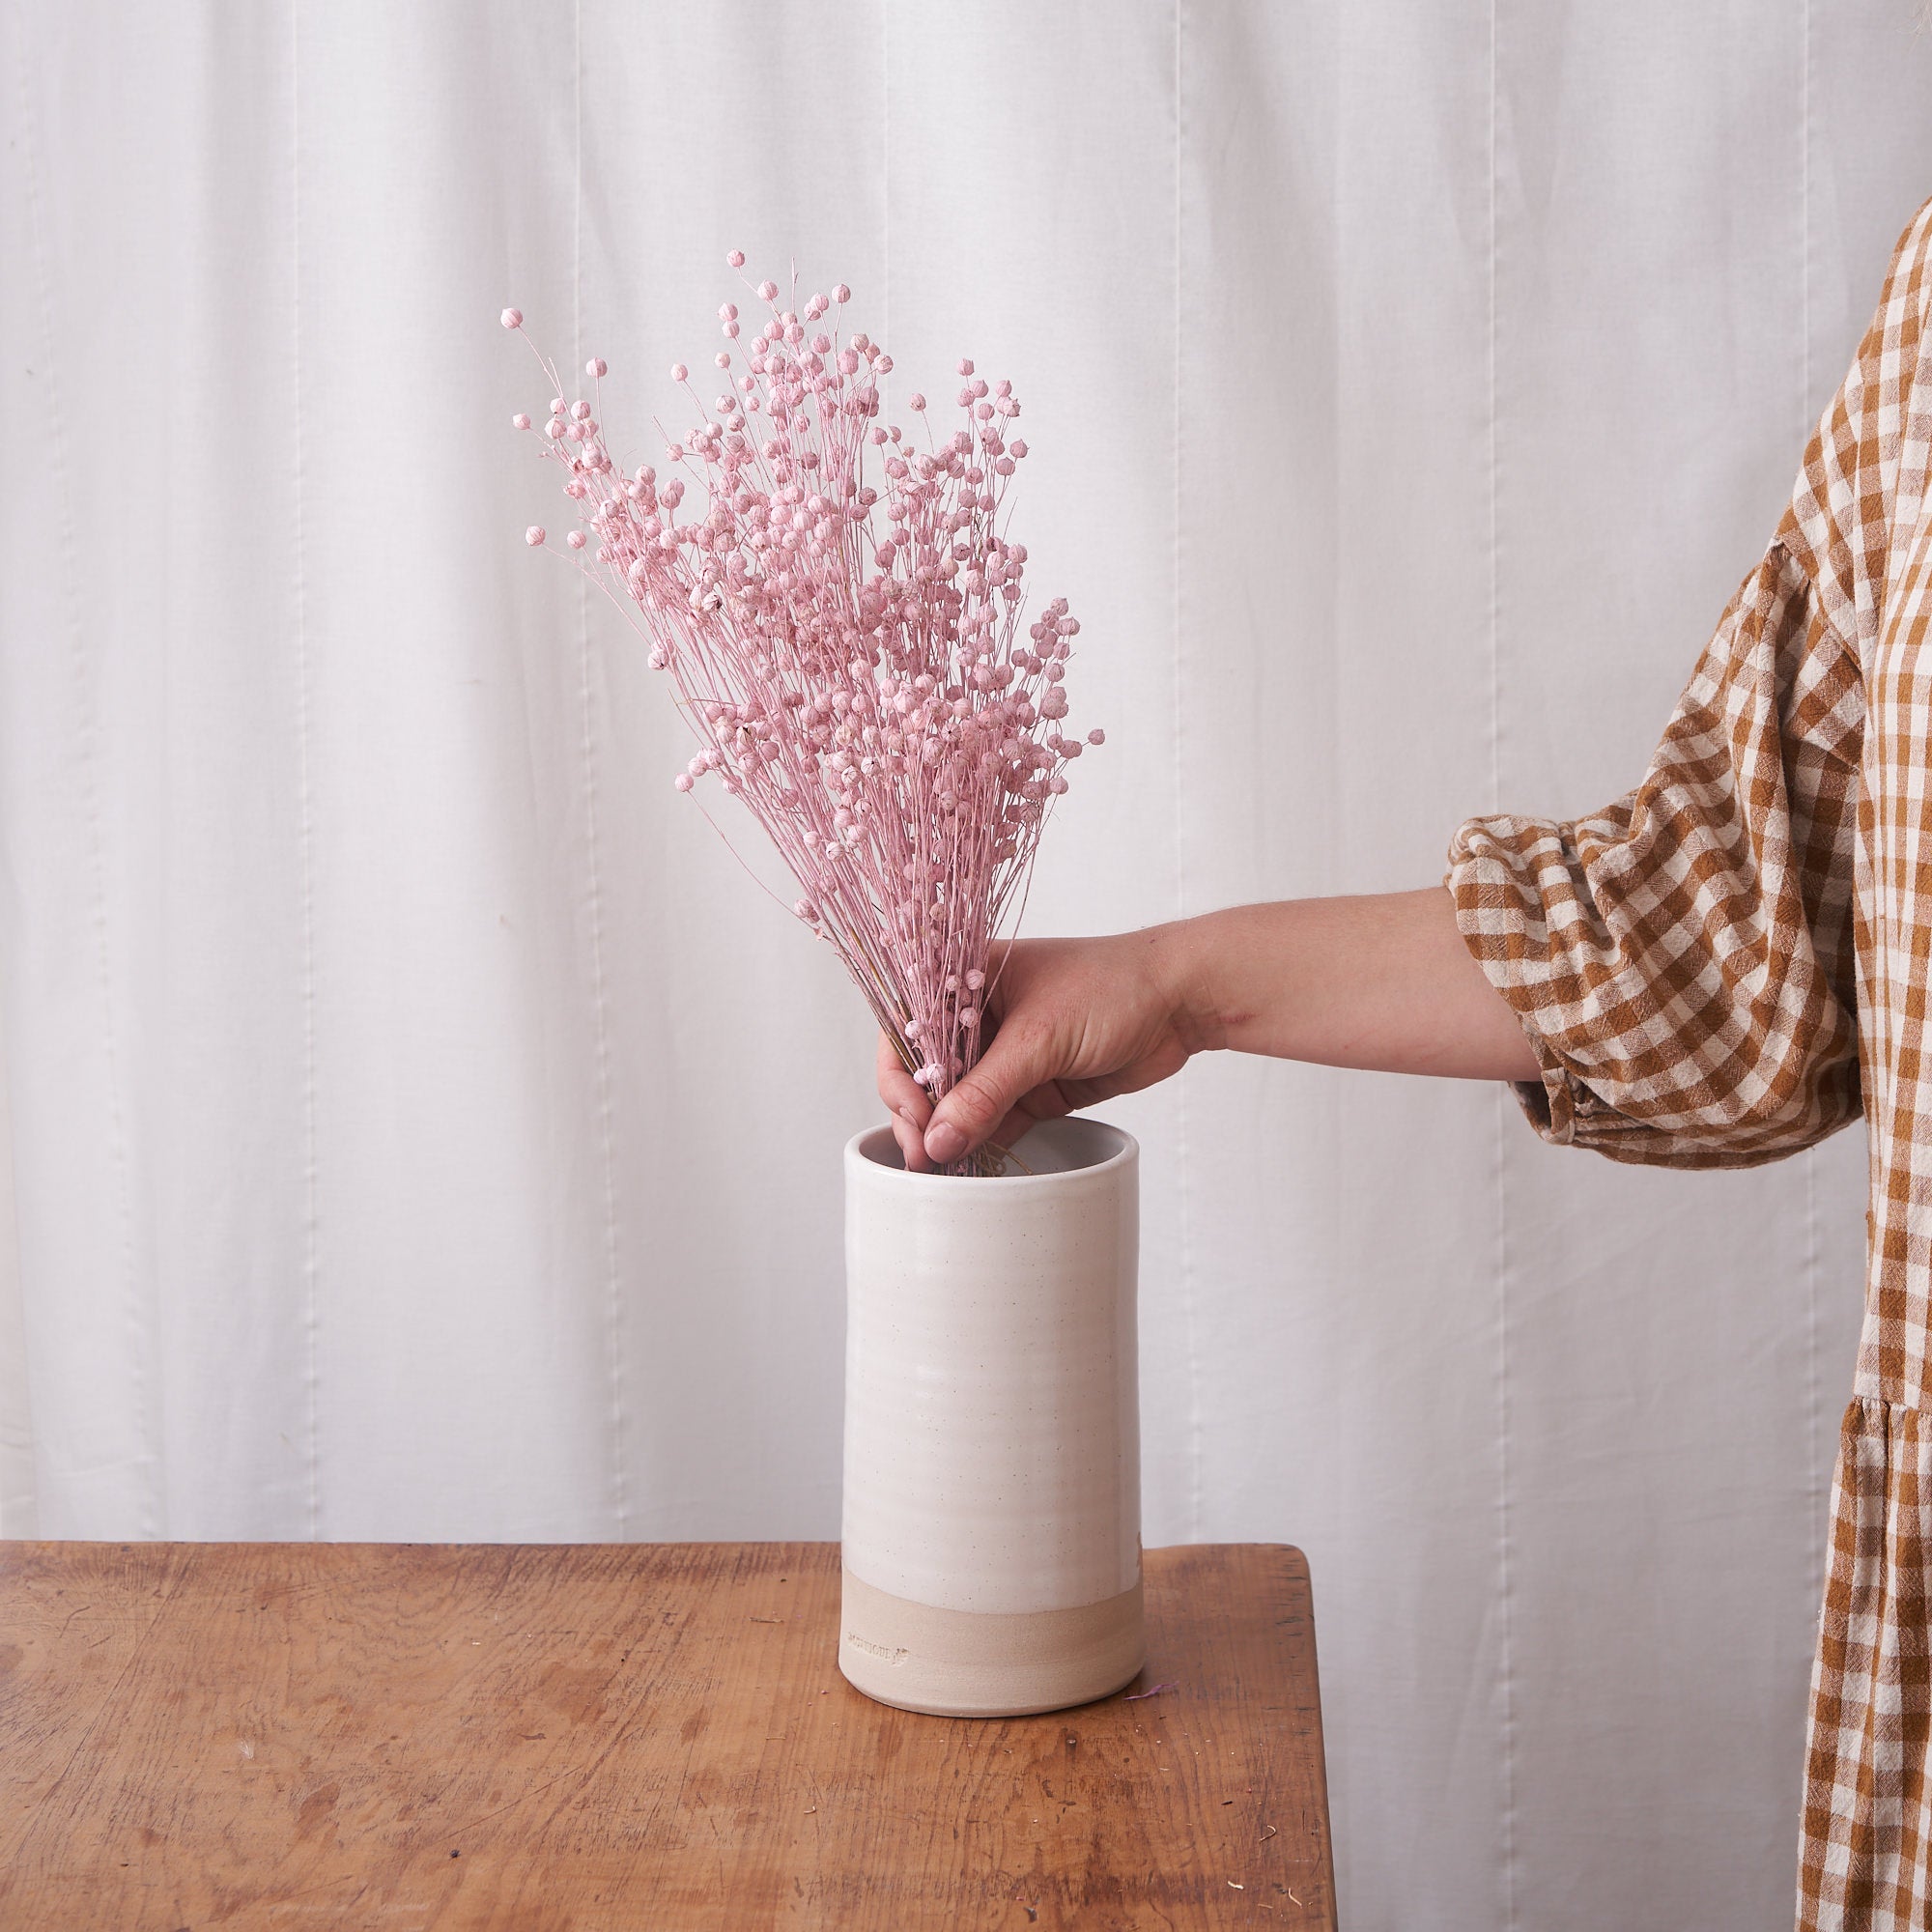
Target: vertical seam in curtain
{"points": [[594, 884], [305, 830], [1505, 1647], [138, 1307], [1196, 1457], [1814, 1481]]}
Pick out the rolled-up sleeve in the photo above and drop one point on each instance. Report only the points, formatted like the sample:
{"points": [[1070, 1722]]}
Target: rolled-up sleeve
{"points": [[1686, 963], [1683, 962]]}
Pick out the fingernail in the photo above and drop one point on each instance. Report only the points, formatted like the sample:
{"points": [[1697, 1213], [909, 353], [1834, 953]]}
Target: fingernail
{"points": [[944, 1142], [906, 1115]]}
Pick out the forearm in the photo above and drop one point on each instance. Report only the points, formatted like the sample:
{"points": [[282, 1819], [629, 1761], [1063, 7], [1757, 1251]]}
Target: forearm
{"points": [[1379, 981]]}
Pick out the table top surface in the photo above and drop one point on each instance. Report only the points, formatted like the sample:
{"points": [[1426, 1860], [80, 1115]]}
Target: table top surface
{"points": [[599, 1736]]}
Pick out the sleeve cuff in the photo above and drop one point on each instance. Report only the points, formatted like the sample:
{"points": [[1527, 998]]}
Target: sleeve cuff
{"points": [[1562, 1106]]}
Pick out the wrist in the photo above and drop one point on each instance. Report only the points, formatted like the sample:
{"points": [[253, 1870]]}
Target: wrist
{"points": [[1181, 960]]}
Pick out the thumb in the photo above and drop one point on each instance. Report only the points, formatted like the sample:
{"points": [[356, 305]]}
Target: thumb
{"points": [[1019, 1060]]}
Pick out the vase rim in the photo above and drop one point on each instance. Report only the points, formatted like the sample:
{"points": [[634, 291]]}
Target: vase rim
{"points": [[1115, 1147]]}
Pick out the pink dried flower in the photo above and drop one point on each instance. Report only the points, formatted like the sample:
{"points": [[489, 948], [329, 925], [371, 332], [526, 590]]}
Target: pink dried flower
{"points": [[848, 649]]}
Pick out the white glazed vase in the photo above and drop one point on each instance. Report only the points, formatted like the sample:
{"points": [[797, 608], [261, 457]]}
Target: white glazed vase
{"points": [[992, 1556]]}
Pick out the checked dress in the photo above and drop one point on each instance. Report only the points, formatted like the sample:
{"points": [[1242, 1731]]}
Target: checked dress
{"points": [[1732, 961]]}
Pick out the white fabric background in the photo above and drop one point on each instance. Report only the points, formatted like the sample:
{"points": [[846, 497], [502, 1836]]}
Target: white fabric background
{"points": [[418, 1128]]}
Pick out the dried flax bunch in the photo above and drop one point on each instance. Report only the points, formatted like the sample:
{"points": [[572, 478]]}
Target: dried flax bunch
{"points": [[846, 645]]}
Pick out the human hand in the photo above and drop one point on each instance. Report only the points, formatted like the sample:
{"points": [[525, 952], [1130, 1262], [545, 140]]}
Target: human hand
{"points": [[1076, 1021]]}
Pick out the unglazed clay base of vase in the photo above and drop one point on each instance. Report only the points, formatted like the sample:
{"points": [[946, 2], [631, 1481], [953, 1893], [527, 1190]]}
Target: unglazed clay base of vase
{"points": [[978, 1663], [992, 1427]]}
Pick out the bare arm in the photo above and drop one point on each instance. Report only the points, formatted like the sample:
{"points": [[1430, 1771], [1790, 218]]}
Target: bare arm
{"points": [[1381, 981]]}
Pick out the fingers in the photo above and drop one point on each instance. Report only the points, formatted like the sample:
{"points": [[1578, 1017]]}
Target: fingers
{"points": [[1019, 1060], [897, 1088], [906, 1102], [912, 1145]]}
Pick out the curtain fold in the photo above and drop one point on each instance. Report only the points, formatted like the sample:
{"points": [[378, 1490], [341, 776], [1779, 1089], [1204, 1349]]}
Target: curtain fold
{"points": [[420, 1128]]}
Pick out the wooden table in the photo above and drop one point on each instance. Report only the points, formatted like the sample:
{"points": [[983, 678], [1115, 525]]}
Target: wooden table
{"points": [[593, 1737]]}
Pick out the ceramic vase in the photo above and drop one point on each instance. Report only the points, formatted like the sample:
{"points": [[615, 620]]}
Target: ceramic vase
{"points": [[992, 1558]]}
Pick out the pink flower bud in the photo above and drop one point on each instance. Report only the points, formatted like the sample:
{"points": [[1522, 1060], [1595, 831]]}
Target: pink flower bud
{"points": [[735, 259], [678, 372], [767, 290], [520, 421], [1096, 737], [575, 539], [683, 781], [512, 317], [534, 536]]}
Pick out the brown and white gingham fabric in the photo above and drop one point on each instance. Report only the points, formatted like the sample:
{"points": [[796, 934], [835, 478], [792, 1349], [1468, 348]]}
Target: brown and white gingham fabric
{"points": [[1731, 962]]}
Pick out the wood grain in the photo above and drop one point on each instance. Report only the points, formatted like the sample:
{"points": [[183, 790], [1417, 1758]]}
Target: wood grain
{"points": [[530, 1739]]}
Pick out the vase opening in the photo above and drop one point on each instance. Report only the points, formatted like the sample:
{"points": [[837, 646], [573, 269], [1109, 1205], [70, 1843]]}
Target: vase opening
{"points": [[1067, 1145]]}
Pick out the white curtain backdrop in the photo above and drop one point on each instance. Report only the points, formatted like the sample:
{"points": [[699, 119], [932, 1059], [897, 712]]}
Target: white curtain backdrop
{"points": [[415, 1126]]}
